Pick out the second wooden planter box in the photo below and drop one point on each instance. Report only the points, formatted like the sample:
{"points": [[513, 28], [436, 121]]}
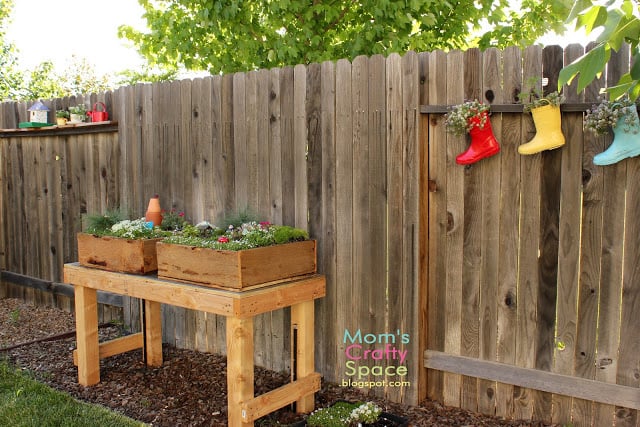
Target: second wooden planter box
{"points": [[236, 269], [117, 254]]}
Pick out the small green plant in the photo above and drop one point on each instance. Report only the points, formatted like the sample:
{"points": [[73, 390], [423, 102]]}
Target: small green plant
{"points": [[238, 218], [173, 220], [533, 97], [14, 316], [79, 109], [62, 114], [101, 223], [458, 119], [337, 415]]}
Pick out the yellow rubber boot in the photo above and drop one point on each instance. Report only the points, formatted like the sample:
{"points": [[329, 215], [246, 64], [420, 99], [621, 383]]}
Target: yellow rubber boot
{"points": [[548, 130]]}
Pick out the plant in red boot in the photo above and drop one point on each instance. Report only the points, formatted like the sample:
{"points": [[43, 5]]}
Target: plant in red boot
{"points": [[472, 117]]}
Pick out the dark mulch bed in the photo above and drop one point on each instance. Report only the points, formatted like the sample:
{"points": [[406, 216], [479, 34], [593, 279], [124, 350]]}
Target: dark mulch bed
{"points": [[188, 390]]}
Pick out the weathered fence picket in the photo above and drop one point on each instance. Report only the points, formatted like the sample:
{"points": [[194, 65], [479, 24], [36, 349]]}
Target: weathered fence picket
{"points": [[531, 262]]}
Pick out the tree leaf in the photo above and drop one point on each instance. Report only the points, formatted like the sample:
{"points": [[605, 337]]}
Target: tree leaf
{"points": [[593, 18], [589, 66], [621, 88], [578, 7]]}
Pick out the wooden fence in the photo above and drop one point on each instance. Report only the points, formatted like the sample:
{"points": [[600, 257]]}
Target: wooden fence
{"points": [[533, 260], [501, 278]]}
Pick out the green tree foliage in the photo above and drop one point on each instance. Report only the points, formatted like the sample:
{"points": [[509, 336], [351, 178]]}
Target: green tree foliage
{"points": [[232, 35], [81, 77], [42, 83], [146, 75], [78, 78], [619, 23], [10, 75]]}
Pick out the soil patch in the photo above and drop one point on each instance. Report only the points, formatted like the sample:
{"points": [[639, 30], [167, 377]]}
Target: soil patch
{"points": [[189, 389]]}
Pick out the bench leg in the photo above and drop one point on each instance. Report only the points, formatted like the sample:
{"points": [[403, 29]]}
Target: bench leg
{"points": [[153, 331], [302, 317], [86, 304], [239, 368]]}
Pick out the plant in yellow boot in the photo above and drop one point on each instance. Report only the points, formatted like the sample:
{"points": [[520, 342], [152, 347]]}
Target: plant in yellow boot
{"points": [[621, 117], [546, 117]]}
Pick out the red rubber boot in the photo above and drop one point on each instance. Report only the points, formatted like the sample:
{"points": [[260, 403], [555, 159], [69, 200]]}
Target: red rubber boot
{"points": [[483, 143]]}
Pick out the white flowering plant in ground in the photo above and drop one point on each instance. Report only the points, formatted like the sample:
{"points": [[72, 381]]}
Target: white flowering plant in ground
{"points": [[367, 413]]}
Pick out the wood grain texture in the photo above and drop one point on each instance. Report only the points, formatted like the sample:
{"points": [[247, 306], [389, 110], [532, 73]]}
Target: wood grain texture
{"points": [[439, 220], [507, 296], [569, 233], [528, 280], [362, 240], [490, 237], [395, 194], [610, 256], [411, 179], [454, 250], [345, 157]]}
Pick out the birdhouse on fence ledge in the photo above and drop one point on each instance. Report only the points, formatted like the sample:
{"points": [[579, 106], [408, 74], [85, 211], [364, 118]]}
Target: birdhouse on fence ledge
{"points": [[38, 116]]}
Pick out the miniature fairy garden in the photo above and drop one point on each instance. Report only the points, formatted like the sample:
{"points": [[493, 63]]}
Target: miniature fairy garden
{"points": [[242, 252]]}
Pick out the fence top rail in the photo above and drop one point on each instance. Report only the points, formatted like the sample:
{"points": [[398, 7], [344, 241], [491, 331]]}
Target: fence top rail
{"points": [[573, 107], [109, 126]]}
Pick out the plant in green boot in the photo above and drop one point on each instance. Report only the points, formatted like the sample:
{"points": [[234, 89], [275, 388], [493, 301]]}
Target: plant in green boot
{"points": [[603, 117], [621, 117]]}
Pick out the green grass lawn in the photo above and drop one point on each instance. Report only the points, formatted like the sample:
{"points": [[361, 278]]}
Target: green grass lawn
{"points": [[26, 402]]}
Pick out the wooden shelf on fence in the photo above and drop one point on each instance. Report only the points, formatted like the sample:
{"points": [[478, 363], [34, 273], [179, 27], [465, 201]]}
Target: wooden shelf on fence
{"points": [[69, 129], [573, 107]]}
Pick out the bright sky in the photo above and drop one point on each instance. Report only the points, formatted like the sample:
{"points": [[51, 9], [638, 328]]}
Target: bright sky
{"points": [[57, 29], [88, 29]]}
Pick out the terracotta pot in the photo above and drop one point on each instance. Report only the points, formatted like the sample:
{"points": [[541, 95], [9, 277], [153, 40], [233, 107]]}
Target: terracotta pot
{"points": [[154, 211]]}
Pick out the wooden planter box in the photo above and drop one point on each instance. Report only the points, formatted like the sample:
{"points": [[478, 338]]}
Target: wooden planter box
{"points": [[236, 269], [116, 254]]}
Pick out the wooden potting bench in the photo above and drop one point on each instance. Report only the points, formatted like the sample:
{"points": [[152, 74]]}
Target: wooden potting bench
{"points": [[239, 308]]}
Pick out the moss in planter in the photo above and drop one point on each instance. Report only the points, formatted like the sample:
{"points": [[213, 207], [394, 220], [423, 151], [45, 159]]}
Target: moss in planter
{"points": [[286, 234]]}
